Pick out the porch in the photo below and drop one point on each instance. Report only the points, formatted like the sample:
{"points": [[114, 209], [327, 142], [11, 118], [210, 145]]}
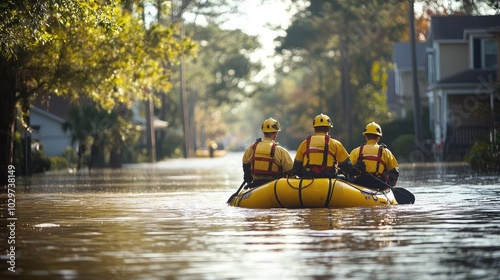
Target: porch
{"points": [[460, 139]]}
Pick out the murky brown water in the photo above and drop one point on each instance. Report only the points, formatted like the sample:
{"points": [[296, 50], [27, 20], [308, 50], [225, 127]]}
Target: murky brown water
{"points": [[170, 221]]}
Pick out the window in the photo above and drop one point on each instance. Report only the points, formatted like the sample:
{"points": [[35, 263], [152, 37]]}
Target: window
{"points": [[431, 74], [490, 51]]}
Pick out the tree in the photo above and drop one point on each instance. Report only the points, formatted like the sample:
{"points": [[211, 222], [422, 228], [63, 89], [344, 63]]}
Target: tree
{"points": [[79, 49], [106, 133], [346, 46], [34, 37]]}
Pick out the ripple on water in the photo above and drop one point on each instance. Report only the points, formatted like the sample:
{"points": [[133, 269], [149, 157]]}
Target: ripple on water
{"points": [[171, 221]]}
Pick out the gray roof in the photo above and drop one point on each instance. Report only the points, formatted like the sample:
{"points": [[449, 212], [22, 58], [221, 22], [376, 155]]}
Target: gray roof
{"points": [[471, 76], [402, 55], [452, 27]]}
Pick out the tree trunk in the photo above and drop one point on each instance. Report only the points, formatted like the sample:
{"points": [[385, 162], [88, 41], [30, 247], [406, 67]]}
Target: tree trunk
{"points": [[115, 158], [7, 120], [346, 90]]}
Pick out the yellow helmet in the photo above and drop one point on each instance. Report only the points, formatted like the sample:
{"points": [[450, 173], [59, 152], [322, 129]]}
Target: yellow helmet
{"points": [[271, 125], [373, 128], [322, 120]]}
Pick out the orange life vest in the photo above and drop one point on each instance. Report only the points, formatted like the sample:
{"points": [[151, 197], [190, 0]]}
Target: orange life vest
{"points": [[320, 161], [377, 158], [262, 160]]}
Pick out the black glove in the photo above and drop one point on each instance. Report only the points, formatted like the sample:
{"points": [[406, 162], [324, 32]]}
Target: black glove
{"points": [[297, 168], [392, 176], [247, 174], [248, 178], [360, 166]]}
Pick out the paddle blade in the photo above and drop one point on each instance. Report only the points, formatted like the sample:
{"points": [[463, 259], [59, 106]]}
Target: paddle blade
{"points": [[235, 194], [403, 196]]}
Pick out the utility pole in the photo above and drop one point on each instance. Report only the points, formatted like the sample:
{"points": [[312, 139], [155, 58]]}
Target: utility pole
{"points": [[183, 92], [150, 130], [417, 114], [185, 112]]}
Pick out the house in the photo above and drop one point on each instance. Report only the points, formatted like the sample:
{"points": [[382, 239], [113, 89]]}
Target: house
{"points": [[46, 120], [462, 65], [400, 81]]}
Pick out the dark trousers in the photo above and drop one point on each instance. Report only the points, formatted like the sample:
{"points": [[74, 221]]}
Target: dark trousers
{"points": [[371, 182], [257, 182]]}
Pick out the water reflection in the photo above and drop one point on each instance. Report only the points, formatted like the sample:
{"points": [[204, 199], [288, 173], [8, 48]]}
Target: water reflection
{"points": [[170, 221]]}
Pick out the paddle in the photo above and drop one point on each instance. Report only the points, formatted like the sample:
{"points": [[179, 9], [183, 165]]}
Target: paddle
{"points": [[403, 196], [236, 193]]}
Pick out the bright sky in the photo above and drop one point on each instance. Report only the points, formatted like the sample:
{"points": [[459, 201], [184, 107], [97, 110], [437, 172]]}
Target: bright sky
{"points": [[255, 20]]}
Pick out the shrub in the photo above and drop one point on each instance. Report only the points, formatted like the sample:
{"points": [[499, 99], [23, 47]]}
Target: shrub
{"points": [[402, 146], [480, 157], [58, 162]]}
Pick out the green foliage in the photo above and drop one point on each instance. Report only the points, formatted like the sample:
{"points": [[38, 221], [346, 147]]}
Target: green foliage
{"points": [[39, 161], [338, 52], [403, 145], [67, 160], [109, 132], [59, 163], [217, 79], [484, 156], [84, 50], [18, 157], [27, 24], [70, 155], [479, 156], [222, 71]]}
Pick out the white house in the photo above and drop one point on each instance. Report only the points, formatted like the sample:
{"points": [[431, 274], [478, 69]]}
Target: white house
{"points": [[47, 130]]}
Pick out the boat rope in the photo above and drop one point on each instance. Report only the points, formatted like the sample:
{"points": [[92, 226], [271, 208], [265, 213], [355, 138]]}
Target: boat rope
{"points": [[362, 190], [299, 188], [385, 194], [330, 192], [300, 184], [276, 192], [373, 193], [300, 194]]}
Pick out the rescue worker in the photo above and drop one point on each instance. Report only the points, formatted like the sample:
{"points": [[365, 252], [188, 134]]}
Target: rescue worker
{"points": [[319, 155], [375, 158], [212, 146], [265, 160]]}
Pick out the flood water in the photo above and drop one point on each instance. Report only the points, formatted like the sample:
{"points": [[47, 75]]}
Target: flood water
{"points": [[169, 220]]}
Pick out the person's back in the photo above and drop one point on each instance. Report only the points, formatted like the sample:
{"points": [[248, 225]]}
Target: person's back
{"points": [[319, 155], [376, 158], [265, 160]]}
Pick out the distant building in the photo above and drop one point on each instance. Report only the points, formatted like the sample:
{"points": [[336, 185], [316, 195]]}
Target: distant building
{"points": [[462, 60], [46, 120], [400, 81]]}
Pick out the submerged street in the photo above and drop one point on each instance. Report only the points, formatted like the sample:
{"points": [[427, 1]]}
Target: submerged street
{"points": [[169, 220]]}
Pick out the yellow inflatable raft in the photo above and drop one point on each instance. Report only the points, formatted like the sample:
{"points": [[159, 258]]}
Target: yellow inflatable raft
{"points": [[311, 193]]}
